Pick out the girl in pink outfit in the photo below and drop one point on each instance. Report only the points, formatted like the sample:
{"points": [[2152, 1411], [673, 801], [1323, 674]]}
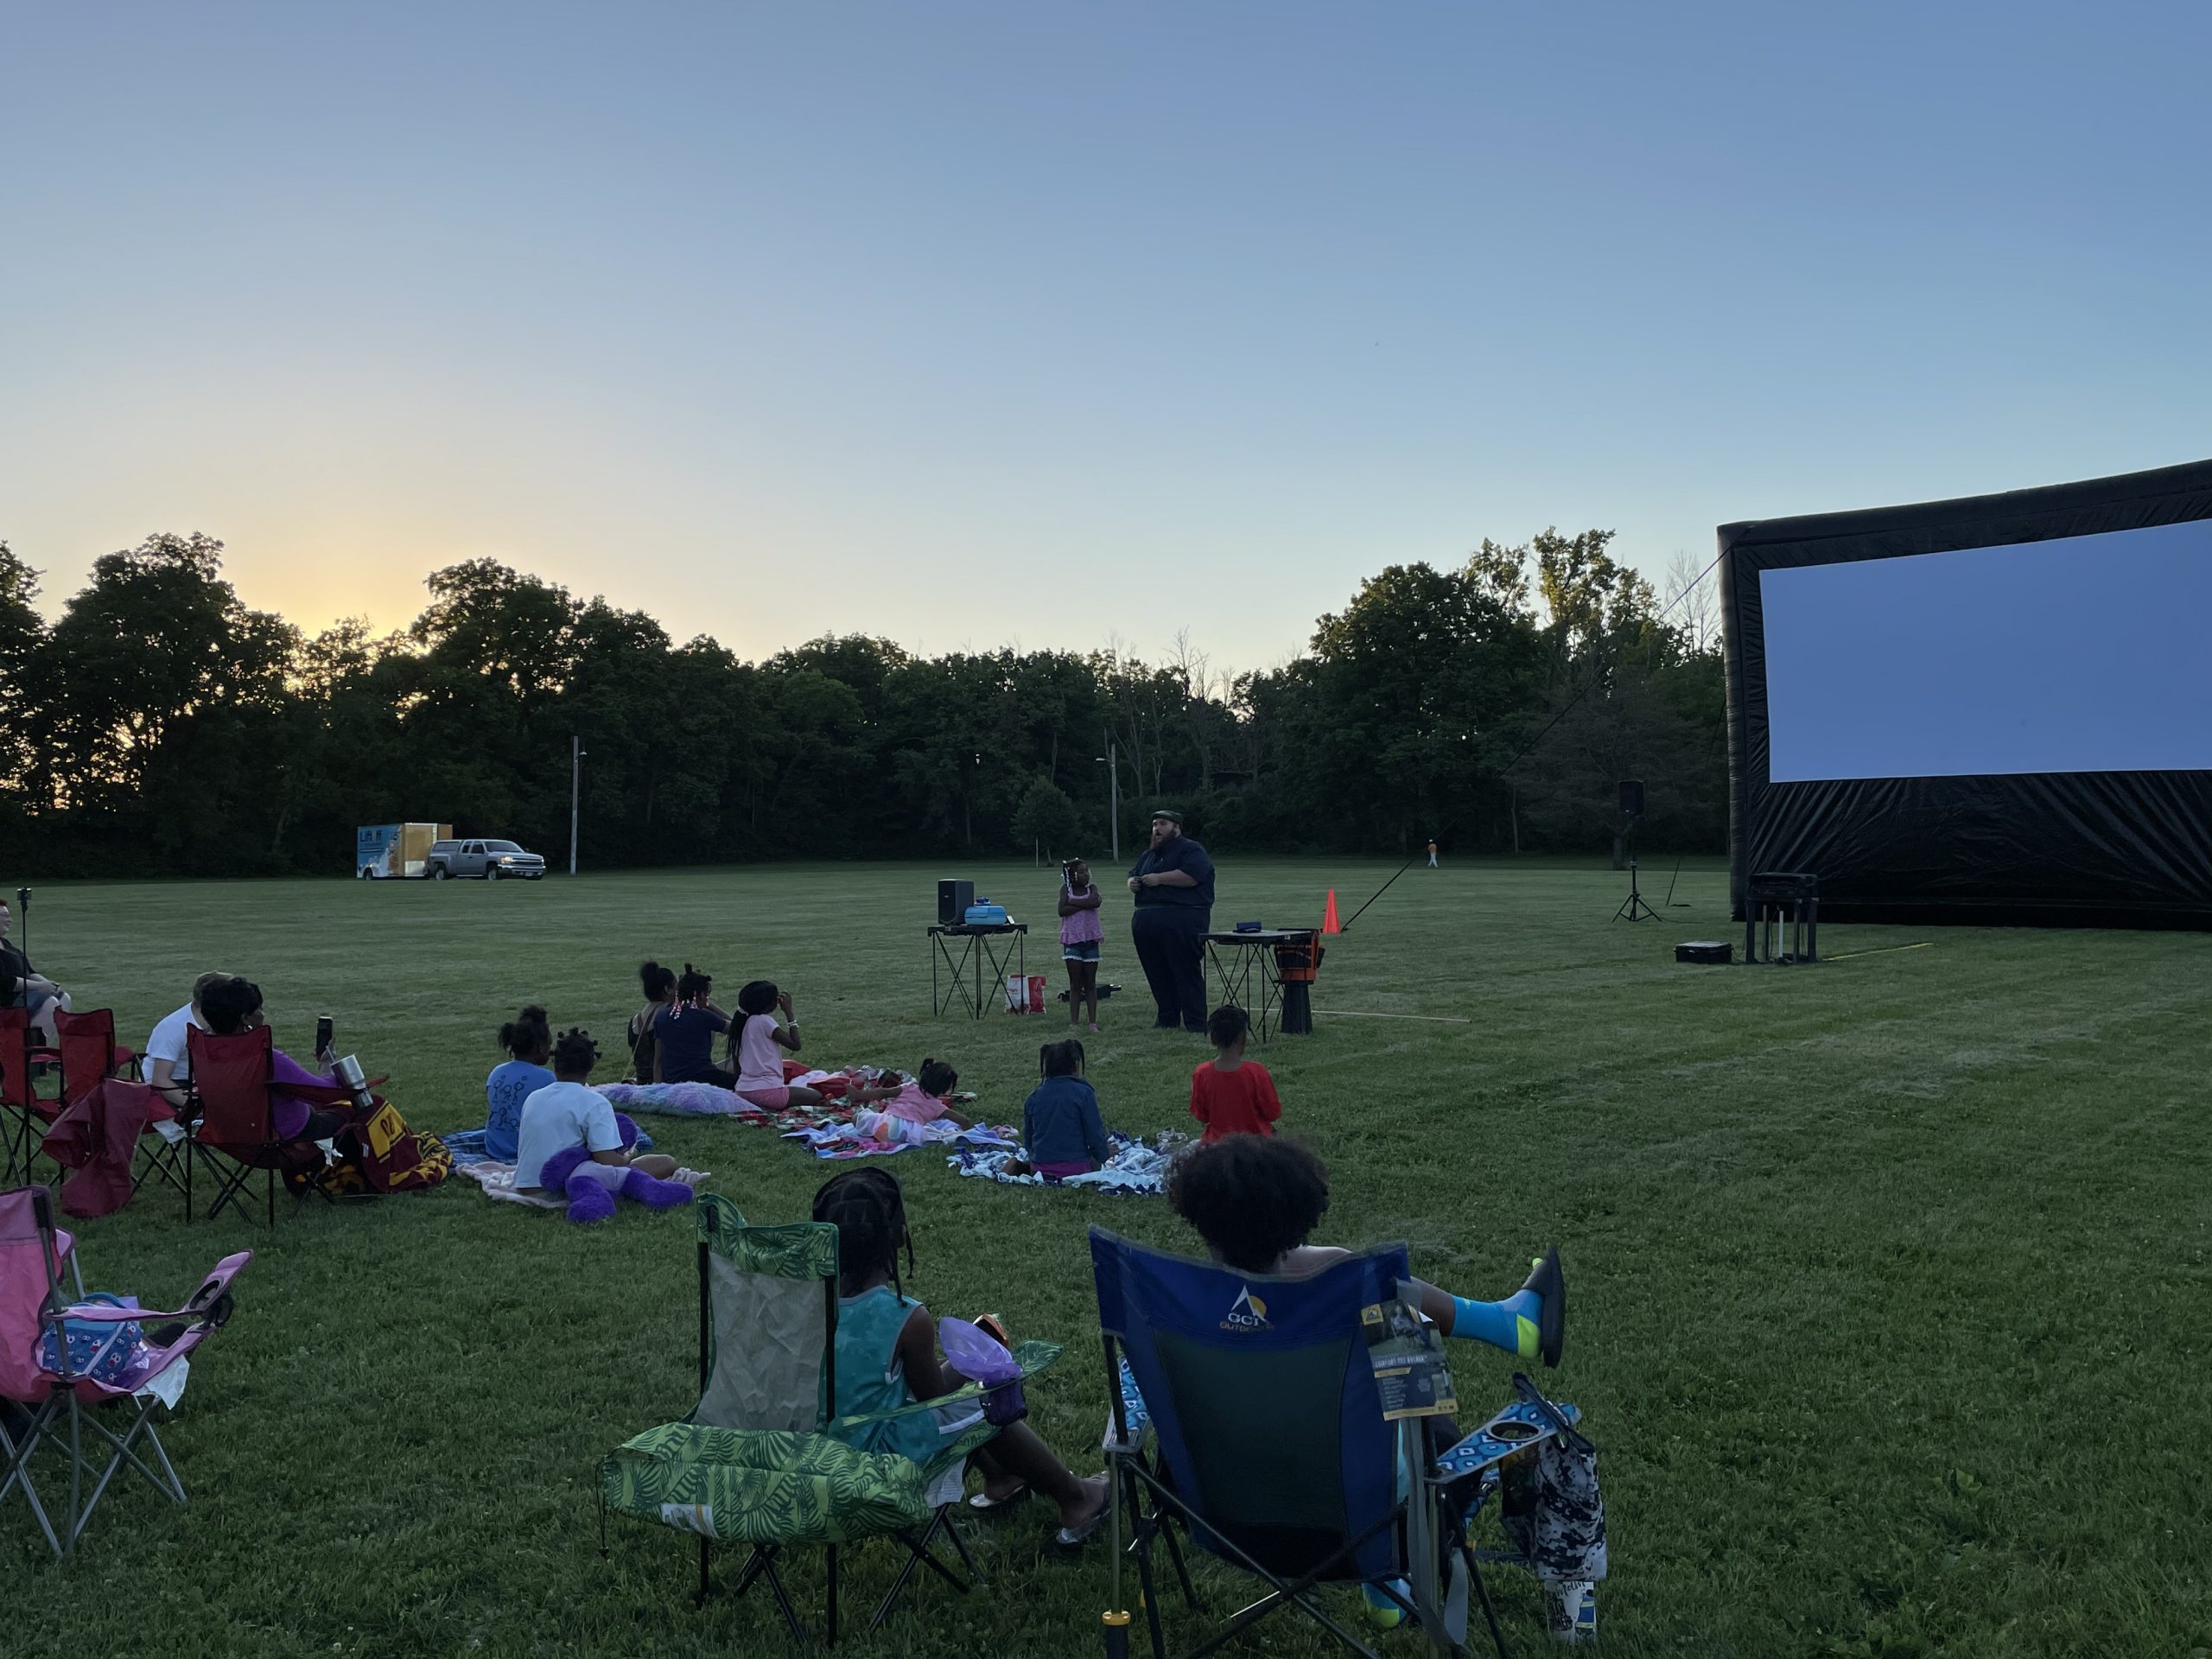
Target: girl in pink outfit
{"points": [[1081, 934], [758, 1040], [921, 1100]]}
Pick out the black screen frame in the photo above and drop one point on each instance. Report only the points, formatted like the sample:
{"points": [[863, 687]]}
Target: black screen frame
{"points": [[2095, 848]]}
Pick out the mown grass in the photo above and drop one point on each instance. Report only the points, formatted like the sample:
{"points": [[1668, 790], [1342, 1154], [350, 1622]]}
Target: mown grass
{"points": [[1888, 1276]]}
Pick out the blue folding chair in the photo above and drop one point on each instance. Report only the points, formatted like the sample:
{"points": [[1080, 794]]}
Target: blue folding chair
{"points": [[1273, 1451]]}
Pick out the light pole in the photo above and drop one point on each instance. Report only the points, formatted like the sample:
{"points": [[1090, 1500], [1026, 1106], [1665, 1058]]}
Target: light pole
{"points": [[576, 753], [1113, 759]]}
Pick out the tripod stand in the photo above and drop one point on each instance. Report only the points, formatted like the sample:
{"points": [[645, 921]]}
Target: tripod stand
{"points": [[1635, 907]]}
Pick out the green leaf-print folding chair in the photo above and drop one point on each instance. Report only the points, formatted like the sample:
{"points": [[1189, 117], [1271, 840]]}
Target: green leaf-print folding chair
{"points": [[754, 1462]]}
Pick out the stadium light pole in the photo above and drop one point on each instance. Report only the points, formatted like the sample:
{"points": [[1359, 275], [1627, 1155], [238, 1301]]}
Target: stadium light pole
{"points": [[1112, 759], [576, 753]]}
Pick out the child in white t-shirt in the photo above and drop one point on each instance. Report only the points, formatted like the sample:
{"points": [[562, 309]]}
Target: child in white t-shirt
{"points": [[566, 1115]]}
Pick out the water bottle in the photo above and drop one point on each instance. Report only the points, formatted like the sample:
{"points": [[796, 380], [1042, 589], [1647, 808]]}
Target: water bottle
{"points": [[350, 1073]]}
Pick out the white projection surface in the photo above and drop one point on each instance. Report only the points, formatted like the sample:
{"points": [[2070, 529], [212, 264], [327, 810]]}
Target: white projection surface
{"points": [[2087, 653]]}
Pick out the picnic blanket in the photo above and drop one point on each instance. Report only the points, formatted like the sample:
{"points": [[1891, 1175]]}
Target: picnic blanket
{"points": [[466, 1147], [871, 1133], [497, 1181], [1138, 1168]]}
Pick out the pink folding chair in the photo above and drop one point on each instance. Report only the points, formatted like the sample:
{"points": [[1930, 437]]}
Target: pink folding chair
{"points": [[69, 1411]]}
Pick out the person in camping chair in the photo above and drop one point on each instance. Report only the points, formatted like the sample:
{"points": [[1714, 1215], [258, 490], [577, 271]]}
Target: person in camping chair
{"points": [[1256, 1200], [229, 1005], [888, 1357]]}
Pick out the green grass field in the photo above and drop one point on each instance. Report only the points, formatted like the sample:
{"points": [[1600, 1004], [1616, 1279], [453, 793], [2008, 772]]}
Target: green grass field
{"points": [[1888, 1276]]}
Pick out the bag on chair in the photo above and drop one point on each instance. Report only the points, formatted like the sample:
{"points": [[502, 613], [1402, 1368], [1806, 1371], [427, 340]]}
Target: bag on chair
{"points": [[98, 1350]]}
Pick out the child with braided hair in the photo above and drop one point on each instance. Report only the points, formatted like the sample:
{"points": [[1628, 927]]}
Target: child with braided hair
{"points": [[571, 1142], [888, 1357]]}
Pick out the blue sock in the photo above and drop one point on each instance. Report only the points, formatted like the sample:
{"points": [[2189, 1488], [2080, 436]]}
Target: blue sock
{"points": [[1510, 1325]]}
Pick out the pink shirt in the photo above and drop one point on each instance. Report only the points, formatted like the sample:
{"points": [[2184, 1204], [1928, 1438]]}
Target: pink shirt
{"points": [[1084, 927], [760, 1061], [911, 1103]]}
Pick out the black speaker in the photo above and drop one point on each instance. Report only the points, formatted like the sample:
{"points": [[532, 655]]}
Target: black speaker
{"points": [[1632, 797], [953, 899]]}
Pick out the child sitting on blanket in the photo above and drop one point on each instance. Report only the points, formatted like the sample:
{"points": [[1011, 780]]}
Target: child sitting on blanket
{"points": [[757, 1040], [1229, 1094], [1255, 1200], [684, 1033], [528, 1039], [567, 1116], [888, 1357], [1061, 1130], [659, 985]]}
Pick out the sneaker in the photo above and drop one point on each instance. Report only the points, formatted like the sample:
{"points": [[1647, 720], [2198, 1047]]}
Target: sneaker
{"points": [[694, 1178], [1383, 1612]]}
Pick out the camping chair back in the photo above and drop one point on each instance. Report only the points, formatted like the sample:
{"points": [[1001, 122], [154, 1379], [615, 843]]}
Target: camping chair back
{"points": [[1264, 1402], [230, 1080], [87, 1050], [15, 1060], [767, 1321], [29, 1284]]}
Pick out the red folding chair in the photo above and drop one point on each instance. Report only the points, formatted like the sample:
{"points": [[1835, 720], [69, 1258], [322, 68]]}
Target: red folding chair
{"points": [[69, 1408], [90, 1054], [25, 1115], [233, 1127]]}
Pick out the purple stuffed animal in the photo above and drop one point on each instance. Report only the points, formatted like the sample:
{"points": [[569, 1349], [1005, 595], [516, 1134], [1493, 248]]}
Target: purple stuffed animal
{"points": [[588, 1200]]}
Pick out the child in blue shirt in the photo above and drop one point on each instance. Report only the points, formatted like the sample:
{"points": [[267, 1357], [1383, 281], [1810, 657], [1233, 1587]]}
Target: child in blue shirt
{"points": [[528, 1039], [1061, 1130]]}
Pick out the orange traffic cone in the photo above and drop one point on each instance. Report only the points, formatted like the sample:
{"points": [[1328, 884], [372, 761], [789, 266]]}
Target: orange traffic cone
{"points": [[1329, 916]]}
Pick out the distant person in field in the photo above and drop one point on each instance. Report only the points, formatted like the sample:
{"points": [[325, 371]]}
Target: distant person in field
{"points": [[528, 1039], [1081, 935], [758, 1042], [659, 984], [1173, 885], [1229, 1094], [168, 1053], [685, 1031], [1432, 853], [234, 1005], [22, 986]]}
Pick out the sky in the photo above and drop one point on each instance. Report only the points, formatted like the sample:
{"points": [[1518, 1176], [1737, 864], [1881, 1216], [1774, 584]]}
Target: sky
{"points": [[1062, 326]]}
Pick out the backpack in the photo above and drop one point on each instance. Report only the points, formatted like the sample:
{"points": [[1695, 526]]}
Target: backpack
{"points": [[393, 1157], [98, 1350]]}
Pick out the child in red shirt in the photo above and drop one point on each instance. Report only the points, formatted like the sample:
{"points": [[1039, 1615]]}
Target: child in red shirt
{"points": [[1229, 1094]]}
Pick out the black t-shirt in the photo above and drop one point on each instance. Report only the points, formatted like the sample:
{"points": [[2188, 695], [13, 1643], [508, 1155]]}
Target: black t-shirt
{"points": [[1181, 854], [14, 966], [686, 1039]]}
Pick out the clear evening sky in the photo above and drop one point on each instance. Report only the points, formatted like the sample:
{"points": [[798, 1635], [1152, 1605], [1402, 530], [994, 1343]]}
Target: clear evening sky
{"points": [[972, 324]]}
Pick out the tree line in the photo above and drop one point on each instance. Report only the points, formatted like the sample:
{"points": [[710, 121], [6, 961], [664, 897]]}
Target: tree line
{"points": [[160, 725]]}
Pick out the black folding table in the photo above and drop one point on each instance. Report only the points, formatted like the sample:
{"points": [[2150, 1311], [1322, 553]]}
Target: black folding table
{"points": [[1238, 958], [991, 945]]}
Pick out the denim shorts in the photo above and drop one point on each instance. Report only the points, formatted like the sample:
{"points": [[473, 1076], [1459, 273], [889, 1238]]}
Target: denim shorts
{"points": [[1086, 951]]}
